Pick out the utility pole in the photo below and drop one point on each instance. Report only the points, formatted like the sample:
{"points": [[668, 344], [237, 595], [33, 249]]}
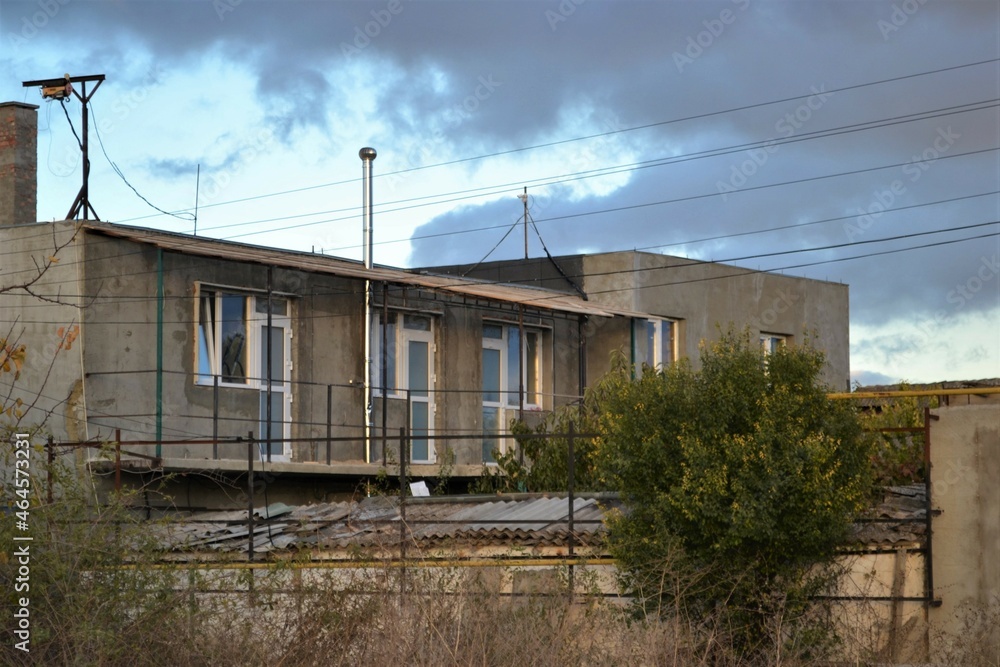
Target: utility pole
{"points": [[59, 89]]}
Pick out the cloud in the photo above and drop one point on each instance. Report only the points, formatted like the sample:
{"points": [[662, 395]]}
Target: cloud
{"points": [[433, 82]]}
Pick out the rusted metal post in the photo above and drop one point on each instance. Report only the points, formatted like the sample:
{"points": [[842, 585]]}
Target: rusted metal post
{"points": [[929, 552], [522, 353], [403, 451], [51, 458], [570, 482], [384, 372], [329, 423], [118, 460], [215, 416], [250, 457]]}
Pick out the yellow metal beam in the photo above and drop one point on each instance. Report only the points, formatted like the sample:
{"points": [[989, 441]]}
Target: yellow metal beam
{"points": [[905, 393]]}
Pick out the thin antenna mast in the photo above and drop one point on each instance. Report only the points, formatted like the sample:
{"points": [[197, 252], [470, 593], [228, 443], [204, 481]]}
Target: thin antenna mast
{"points": [[59, 89], [524, 198], [197, 188]]}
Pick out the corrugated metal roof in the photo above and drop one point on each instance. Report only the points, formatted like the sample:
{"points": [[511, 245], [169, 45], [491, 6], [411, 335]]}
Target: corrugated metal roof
{"points": [[899, 519], [462, 521], [375, 522], [534, 297]]}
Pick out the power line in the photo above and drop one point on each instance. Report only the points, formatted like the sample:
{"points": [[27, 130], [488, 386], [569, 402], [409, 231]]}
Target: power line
{"points": [[193, 241], [494, 190], [125, 180], [605, 134]]}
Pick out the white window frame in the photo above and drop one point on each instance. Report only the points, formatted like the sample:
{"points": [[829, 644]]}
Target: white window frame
{"points": [[509, 394], [400, 345], [771, 341], [510, 386], [401, 382], [662, 355], [254, 324]]}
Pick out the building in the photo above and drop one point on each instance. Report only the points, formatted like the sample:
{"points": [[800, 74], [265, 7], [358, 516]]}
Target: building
{"points": [[689, 302], [195, 354]]}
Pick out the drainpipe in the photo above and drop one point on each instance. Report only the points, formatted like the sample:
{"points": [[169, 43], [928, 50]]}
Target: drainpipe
{"points": [[367, 156]]}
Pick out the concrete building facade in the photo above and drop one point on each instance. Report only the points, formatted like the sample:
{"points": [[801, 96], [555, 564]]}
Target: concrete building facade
{"points": [[183, 348], [688, 302]]}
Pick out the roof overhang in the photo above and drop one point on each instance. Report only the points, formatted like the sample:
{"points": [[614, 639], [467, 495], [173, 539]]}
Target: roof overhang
{"points": [[532, 297]]}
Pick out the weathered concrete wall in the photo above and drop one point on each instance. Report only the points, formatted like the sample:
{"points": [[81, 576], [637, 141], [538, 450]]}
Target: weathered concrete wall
{"points": [[965, 460], [706, 298], [327, 355], [869, 621], [47, 319], [326, 349]]}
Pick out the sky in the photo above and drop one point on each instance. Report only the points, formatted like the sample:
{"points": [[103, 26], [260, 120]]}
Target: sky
{"points": [[853, 141]]}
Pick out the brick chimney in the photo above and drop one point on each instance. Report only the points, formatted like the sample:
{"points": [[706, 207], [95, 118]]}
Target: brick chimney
{"points": [[18, 163]]}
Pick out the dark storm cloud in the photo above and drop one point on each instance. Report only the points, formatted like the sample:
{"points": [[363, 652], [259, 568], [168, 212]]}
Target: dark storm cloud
{"points": [[456, 79]]}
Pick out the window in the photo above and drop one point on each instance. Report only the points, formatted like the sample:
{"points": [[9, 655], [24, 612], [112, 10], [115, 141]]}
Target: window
{"points": [[771, 342], [507, 367], [409, 364], [222, 337], [232, 345], [654, 343]]}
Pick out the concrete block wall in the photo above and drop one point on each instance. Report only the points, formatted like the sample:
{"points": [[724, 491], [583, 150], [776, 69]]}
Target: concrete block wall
{"points": [[965, 469]]}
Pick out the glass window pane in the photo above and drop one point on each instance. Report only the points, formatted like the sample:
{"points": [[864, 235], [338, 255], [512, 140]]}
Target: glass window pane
{"points": [[234, 338], [277, 356], [650, 351], [491, 426], [279, 305], [277, 423], [419, 376], [419, 424], [206, 337], [491, 375], [494, 331], [531, 368], [513, 366], [666, 342], [417, 322]]}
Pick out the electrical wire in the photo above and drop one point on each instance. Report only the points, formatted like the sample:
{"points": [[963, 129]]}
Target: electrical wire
{"points": [[180, 216], [502, 239], [62, 103], [506, 188], [605, 134]]}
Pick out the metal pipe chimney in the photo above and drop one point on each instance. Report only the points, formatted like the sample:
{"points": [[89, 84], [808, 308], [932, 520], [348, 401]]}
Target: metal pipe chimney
{"points": [[367, 156]]}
